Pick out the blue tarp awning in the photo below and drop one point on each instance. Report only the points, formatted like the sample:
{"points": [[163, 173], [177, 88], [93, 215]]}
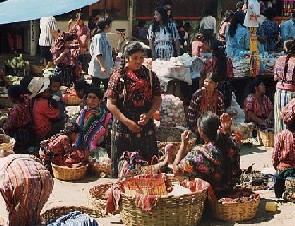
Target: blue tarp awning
{"points": [[24, 10]]}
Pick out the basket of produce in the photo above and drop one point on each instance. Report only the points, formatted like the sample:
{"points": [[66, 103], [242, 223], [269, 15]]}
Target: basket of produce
{"points": [[17, 66], [99, 162], [98, 196], [241, 205], [69, 174], [57, 212], [37, 69], [6, 145], [183, 205], [266, 137], [5, 102]]}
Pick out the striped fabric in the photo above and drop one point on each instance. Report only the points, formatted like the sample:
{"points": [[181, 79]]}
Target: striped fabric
{"points": [[25, 186], [282, 97], [47, 24]]}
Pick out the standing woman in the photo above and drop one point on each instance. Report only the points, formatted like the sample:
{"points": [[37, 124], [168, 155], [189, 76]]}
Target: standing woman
{"points": [[238, 36], [100, 66], [284, 73], [134, 94], [163, 35]]}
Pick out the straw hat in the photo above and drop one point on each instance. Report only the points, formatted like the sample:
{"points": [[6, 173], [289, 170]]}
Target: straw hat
{"points": [[38, 85]]}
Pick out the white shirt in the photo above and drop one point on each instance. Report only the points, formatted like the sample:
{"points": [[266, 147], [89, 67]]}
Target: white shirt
{"points": [[47, 24], [208, 22]]}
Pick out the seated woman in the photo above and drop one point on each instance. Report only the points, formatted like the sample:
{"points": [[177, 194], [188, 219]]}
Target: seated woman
{"points": [[217, 161], [61, 149], [284, 153], [19, 122], [46, 112], [25, 185], [208, 98], [257, 106], [94, 120]]}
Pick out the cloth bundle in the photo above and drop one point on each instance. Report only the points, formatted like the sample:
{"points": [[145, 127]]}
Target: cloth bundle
{"points": [[75, 218]]}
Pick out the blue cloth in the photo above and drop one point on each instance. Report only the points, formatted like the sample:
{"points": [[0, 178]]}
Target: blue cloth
{"points": [[75, 218], [288, 30], [24, 10], [270, 29], [240, 42]]}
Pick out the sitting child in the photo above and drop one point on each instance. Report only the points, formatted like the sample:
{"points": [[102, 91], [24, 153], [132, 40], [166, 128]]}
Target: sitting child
{"points": [[46, 113], [19, 122], [94, 120], [284, 152], [61, 149], [217, 161]]}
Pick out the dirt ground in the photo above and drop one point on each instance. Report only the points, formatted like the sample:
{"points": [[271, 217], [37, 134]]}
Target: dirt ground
{"points": [[76, 194]]}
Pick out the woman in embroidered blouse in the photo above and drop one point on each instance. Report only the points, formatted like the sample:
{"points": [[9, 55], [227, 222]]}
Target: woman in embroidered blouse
{"points": [[133, 96], [284, 74], [218, 160], [208, 98], [238, 36], [283, 155], [93, 120], [257, 106], [163, 35]]}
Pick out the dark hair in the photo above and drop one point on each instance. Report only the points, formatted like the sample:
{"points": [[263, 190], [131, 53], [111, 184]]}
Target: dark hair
{"points": [[70, 38], [208, 12], [167, 2], [238, 18], [209, 124], [25, 83], [95, 90], [254, 84], [71, 127], [164, 17], [101, 25], [270, 13], [16, 92], [290, 46], [291, 126], [212, 76], [55, 78], [228, 15], [82, 85], [239, 5], [218, 50], [131, 48]]}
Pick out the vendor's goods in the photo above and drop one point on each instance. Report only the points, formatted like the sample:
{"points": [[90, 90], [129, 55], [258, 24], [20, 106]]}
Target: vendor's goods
{"points": [[172, 111], [17, 66], [238, 206], [69, 174], [15, 80], [70, 97], [271, 206], [100, 163], [6, 145], [183, 208], [57, 212], [253, 180], [266, 137], [289, 193]]}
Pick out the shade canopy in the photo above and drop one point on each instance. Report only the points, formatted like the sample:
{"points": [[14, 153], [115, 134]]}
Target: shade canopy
{"points": [[24, 10]]}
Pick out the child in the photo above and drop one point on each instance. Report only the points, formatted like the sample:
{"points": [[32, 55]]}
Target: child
{"points": [[19, 122], [81, 88], [61, 149], [200, 45], [46, 117], [55, 83], [94, 120], [284, 153]]}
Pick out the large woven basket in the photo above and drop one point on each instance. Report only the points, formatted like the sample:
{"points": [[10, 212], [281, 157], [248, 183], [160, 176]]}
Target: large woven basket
{"points": [[69, 174], [234, 211], [71, 99], [184, 210], [56, 212], [98, 196], [266, 137]]}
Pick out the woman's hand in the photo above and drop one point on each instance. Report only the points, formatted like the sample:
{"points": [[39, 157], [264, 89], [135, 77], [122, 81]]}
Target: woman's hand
{"points": [[143, 119], [185, 137], [226, 122], [133, 126]]}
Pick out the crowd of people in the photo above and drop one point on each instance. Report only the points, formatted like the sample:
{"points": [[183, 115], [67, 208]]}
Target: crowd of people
{"points": [[120, 105]]}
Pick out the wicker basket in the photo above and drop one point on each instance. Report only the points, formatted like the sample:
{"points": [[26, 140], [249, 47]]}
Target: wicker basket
{"points": [[100, 167], [57, 212], [69, 174], [6, 145], [98, 196], [266, 137], [71, 99], [185, 210], [235, 211]]}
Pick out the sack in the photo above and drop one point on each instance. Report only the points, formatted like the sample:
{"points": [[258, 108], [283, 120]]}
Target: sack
{"points": [[75, 218]]}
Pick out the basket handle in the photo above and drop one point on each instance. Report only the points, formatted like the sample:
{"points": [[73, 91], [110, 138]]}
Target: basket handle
{"points": [[152, 160]]}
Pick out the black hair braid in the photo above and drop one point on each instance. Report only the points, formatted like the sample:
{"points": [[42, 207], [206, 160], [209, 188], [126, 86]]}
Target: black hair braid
{"points": [[286, 67]]}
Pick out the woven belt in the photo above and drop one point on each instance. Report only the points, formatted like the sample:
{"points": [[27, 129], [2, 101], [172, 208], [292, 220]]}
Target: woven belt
{"points": [[137, 135]]}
